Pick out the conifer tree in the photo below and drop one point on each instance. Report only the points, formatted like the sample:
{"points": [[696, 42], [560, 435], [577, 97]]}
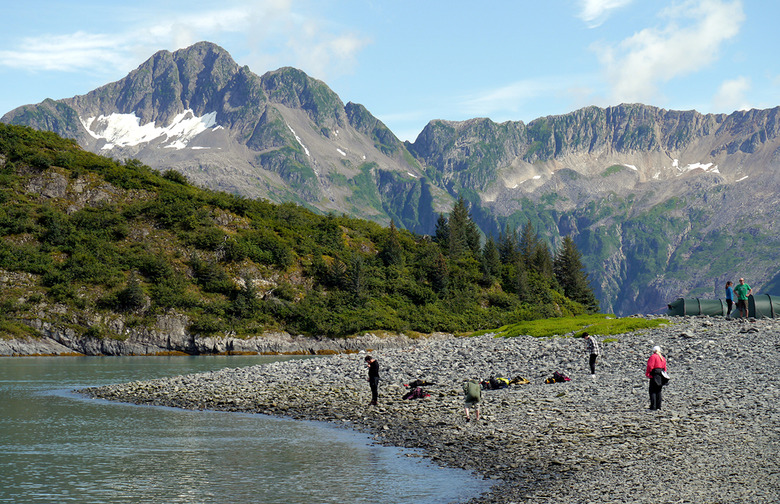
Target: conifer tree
{"points": [[442, 235], [507, 246], [491, 261], [356, 275], [461, 231], [521, 284], [542, 261], [439, 274], [527, 244], [572, 277], [392, 251]]}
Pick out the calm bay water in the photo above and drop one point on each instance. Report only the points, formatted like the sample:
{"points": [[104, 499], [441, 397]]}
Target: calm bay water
{"points": [[58, 447]]}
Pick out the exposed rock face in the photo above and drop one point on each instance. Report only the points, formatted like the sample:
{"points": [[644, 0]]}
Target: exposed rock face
{"points": [[170, 335], [661, 203]]}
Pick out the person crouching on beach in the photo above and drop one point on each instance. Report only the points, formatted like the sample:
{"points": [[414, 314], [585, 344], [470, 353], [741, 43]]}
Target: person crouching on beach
{"points": [[373, 378], [473, 391]]}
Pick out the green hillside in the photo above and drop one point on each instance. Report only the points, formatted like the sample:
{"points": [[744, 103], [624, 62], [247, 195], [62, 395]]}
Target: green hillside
{"points": [[87, 240]]}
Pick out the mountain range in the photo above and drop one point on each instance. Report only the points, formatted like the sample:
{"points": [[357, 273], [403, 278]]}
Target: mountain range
{"points": [[661, 203]]}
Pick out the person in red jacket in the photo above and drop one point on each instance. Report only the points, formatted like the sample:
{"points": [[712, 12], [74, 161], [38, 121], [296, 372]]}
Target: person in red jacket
{"points": [[655, 365]]}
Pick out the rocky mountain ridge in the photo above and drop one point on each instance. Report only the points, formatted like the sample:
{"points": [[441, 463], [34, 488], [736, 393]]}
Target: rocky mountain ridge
{"points": [[661, 203]]}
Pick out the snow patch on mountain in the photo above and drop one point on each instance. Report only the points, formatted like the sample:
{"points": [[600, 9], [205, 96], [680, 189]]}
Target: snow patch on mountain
{"points": [[124, 130], [298, 139], [707, 167]]}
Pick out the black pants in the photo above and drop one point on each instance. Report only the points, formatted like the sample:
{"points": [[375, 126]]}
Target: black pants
{"points": [[593, 358], [655, 395], [374, 383], [729, 307]]}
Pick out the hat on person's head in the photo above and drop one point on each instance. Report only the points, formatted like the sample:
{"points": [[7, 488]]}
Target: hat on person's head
{"points": [[656, 349]]}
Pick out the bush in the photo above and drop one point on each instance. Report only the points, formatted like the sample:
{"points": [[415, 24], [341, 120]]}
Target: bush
{"points": [[205, 325], [211, 277], [131, 297], [176, 177], [93, 332]]}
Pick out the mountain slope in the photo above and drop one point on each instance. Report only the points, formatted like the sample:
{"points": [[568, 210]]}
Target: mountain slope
{"points": [[283, 136], [661, 203]]}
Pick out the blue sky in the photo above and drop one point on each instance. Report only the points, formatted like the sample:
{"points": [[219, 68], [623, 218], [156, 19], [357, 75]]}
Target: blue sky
{"points": [[410, 62]]}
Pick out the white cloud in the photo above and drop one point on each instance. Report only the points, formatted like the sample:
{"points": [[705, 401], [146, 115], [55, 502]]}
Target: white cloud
{"points": [[74, 52], [509, 98], [269, 32], [731, 95], [595, 12], [690, 40], [323, 54]]}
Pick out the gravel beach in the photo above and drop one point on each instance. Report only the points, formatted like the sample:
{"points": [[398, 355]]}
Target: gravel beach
{"points": [[715, 440]]}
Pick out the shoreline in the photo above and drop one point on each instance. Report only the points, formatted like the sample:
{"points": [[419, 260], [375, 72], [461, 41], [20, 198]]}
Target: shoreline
{"points": [[716, 439], [161, 343]]}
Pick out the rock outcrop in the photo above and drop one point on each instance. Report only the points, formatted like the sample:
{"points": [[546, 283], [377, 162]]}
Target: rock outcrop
{"points": [[169, 335]]}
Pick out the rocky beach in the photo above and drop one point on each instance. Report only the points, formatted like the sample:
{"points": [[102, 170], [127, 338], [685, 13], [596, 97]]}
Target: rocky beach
{"points": [[715, 440]]}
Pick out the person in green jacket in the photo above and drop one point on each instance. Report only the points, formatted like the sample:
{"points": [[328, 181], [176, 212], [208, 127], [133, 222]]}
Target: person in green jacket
{"points": [[742, 290], [473, 391]]}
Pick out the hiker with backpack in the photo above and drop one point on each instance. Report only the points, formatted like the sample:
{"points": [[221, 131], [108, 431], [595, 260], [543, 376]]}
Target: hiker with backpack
{"points": [[473, 392]]}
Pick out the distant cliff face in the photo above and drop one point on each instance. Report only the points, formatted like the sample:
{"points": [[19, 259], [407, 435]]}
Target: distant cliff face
{"points": [[661, 203]]}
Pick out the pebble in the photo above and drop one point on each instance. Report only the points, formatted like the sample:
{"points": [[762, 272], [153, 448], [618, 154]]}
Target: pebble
{"points": [[716, 438]]}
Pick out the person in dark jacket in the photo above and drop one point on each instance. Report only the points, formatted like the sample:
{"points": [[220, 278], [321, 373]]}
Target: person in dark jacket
{"points": [[373, 378], [655, 365], [593, 351]]}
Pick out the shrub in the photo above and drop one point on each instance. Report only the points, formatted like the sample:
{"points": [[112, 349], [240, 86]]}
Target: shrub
{"points": [[131, 297], [206, 325]]}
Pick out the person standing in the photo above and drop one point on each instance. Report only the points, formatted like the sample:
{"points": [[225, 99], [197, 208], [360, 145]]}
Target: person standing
{"points": [[742, 290], [473, 391], [729, 298], [656, 366], [373, 378], [593, 351]]}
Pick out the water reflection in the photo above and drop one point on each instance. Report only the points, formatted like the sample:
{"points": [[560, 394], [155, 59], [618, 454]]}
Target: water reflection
{"points": [[56, 446]]}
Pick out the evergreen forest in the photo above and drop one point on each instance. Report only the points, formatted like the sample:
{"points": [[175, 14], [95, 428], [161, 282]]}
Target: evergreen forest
{"points": [[85, 240]]}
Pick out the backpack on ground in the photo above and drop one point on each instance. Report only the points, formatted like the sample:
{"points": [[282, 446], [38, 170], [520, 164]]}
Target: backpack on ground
{"points": [[416, 393], [495, 383], [557, 378], [519, 380]]}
